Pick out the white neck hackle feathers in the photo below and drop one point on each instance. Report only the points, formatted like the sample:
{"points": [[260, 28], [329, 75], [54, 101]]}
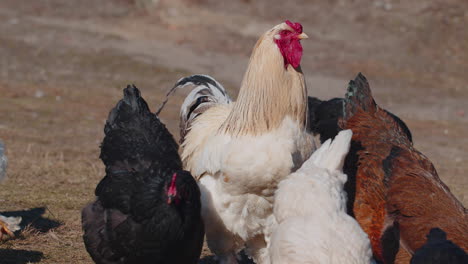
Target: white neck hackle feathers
{"points": [[269, 92]]}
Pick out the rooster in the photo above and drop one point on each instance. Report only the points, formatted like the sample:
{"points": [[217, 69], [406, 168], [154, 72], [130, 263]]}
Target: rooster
{"points": [[8, 225], [147, 208], [399, 196], [239, 151], [310, 207], [439, 250]]}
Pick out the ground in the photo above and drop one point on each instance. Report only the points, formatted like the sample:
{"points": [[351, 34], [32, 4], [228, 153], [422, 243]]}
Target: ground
{"points": [[63, 65]]}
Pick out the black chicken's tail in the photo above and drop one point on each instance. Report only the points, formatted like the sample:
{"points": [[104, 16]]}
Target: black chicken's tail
{"points": [[130, 106], [136, 137]]}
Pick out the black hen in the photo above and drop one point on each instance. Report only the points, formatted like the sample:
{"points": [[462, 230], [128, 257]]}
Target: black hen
{"points": [[147, 208], [439, 250], [324, 117]]}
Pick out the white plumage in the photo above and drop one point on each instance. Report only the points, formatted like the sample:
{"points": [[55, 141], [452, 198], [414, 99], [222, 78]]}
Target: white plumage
{"points": [[8, 225], [310, 209], [206, 92], [240, 151], [3, 161], [239, 177]]}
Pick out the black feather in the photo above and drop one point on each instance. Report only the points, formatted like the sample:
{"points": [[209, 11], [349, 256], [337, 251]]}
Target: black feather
{"points": [[198, 79], [387, 165], [324, 116], [131, 221], [390, 243]]}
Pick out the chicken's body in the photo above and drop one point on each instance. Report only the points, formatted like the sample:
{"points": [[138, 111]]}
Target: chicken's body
{"points": [[240, 151], [8, 225], [310, 207], [147, 209], [237, 196], [398, 195]]}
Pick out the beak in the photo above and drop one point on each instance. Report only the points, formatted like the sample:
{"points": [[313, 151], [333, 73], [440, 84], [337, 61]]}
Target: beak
{"points": [[303, 36]]}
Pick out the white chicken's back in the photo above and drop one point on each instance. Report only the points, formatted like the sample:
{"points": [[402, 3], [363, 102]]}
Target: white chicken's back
{"points": [[310, 208], [302, 240]]}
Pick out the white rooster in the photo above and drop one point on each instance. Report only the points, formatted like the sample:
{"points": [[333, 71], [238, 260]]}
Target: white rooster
{"points": [[239, 151], [310, 208]]}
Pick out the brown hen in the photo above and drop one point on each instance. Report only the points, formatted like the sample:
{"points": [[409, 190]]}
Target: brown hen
{"points": [[398, 196]]}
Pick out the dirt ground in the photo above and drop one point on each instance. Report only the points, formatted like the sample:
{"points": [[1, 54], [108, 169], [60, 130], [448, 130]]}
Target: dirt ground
{"points": [[63, 65]]}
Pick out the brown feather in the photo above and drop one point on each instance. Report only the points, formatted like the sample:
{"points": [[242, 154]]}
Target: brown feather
{"points": [[419, 201], [396, 184]]}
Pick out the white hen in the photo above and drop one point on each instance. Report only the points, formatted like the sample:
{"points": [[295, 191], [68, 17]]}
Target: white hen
{"points": [[310, 208]]}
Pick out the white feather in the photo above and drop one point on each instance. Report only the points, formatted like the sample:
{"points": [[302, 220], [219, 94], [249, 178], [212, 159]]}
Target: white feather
{"points": [[3, 161], [240, 151], [310, 209], [204, 88], [12, 223], [238, 178]]}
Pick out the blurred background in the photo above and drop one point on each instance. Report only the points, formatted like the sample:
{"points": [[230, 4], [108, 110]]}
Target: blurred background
{"points": [[64, 63]]}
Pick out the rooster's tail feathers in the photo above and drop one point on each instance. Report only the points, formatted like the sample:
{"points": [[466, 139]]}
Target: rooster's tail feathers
{"points": [[206, 92], [331, 154]]}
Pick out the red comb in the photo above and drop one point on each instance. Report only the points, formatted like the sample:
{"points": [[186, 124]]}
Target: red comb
{"points": [[296, 26]]}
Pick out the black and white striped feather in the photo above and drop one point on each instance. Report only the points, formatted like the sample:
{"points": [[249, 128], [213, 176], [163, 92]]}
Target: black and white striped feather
{"points": [[205, 93]]}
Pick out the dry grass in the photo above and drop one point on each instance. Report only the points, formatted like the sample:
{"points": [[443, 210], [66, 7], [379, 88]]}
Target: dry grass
{"points": [[52, 130], [52, 133]]}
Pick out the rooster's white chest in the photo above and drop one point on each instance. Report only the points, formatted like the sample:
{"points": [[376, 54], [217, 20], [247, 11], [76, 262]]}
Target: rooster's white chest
{"points": [[250, 168]]}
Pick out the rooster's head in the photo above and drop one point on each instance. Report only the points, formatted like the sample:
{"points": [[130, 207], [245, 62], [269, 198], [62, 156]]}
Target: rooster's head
{"points": [[287, 37], [273, 87]]}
